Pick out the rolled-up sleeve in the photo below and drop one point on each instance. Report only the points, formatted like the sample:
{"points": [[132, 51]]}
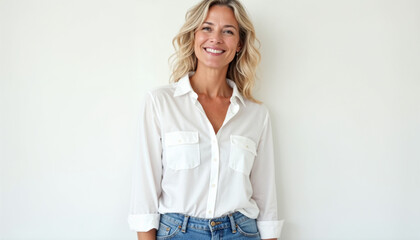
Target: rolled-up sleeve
{"points": [[147, 171], [264, 185]]}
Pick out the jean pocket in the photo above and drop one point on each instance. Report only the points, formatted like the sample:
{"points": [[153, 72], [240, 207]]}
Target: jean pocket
{"points": [[248, 228], [167, 230], [182, 150], [242, 154]]}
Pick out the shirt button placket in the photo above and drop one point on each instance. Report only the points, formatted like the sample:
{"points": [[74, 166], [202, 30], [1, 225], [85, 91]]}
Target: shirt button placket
{"points": [[214, 176]]}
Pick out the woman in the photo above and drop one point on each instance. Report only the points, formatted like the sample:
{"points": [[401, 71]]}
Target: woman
{"points": [[206, 168]]}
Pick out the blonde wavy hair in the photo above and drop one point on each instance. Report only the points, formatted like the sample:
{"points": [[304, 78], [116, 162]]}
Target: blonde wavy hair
{"points": [[242, 69]]}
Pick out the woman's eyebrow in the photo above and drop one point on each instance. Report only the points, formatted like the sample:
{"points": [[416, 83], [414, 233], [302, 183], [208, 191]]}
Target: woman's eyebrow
{"points": [[212, 24]]}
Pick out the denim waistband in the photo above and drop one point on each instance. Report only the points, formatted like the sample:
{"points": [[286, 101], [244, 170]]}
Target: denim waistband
{"points": [[210, 224]]}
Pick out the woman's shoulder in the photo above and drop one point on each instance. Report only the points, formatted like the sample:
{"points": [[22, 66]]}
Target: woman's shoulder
{"points": [[166, 90], [256, 107]]}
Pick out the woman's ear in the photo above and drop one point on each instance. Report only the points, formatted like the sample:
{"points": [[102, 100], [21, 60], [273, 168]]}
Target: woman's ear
{"points": [[239, 47]]}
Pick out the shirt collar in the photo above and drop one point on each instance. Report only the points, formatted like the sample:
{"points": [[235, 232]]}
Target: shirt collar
{"points": [[183, 86], [235, 94]]}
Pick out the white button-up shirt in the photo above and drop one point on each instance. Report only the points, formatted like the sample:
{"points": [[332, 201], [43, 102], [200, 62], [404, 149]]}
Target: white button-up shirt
{"points": [[184, 167]]}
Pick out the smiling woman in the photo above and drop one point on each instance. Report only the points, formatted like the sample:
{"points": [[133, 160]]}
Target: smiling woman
{"points": [[217, 40], [242, 68], [206, 169]]}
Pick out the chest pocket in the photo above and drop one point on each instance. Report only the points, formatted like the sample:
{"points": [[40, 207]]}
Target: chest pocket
{"points": [[182, 150], [242, 154]]}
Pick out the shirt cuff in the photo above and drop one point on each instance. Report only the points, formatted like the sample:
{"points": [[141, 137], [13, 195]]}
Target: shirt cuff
{"points": [[270, 229], [143, 222]]}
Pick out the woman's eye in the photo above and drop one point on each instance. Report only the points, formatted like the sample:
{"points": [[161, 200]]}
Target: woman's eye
{"points": [[206, 29], [229, 32]]}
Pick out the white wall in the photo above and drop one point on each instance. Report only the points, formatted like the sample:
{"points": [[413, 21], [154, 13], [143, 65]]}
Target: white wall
{"points": [[341, 78]]}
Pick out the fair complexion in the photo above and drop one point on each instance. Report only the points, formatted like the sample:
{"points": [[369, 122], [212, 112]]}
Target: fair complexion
{"points": [[150, 235], [216, 42]]}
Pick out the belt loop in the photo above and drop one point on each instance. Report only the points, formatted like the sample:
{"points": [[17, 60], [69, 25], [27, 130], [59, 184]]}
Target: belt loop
{"points": [[184, 224], [232, 223]]}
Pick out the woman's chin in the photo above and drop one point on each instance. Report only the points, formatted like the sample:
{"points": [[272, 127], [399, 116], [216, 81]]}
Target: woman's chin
{"points": [[213, 65]]}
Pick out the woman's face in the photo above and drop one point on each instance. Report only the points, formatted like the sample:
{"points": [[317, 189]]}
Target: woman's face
{"points": [[216, 41]]}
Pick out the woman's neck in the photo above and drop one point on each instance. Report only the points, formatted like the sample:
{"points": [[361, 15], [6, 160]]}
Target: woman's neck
{"points": [[210, 82]]}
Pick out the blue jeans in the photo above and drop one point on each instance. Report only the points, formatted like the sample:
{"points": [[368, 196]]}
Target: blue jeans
{"points": [[233, 226]]}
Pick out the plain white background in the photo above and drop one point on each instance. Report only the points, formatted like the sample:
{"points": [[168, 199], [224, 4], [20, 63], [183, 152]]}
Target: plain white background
{"points": [[341, 80]]}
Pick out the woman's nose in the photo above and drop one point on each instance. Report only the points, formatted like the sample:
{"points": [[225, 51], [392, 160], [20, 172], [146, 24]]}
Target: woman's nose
{"points": [[216, 37]]}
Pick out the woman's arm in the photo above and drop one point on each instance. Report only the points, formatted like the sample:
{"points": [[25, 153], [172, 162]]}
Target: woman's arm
{"points": [[147, 171], [150, 235], [264, 185]]}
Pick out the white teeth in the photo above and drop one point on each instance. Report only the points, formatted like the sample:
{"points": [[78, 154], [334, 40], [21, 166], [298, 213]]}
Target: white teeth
{"points": [[213, 50]]}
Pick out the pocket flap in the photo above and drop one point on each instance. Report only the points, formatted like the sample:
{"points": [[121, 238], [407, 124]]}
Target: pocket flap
{"points": [[177, 138], [244, 143]]}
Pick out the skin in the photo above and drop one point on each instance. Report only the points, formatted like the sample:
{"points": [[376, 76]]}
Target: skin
{"points": [[220, 31], [150, 235]]}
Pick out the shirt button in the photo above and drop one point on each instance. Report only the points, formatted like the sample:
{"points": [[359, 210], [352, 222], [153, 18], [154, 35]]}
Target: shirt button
{"points": [[214, 159], [210, 211], [213, 185]]}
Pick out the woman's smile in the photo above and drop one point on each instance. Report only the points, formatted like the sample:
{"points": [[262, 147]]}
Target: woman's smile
{"points": [[214, 51]]}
